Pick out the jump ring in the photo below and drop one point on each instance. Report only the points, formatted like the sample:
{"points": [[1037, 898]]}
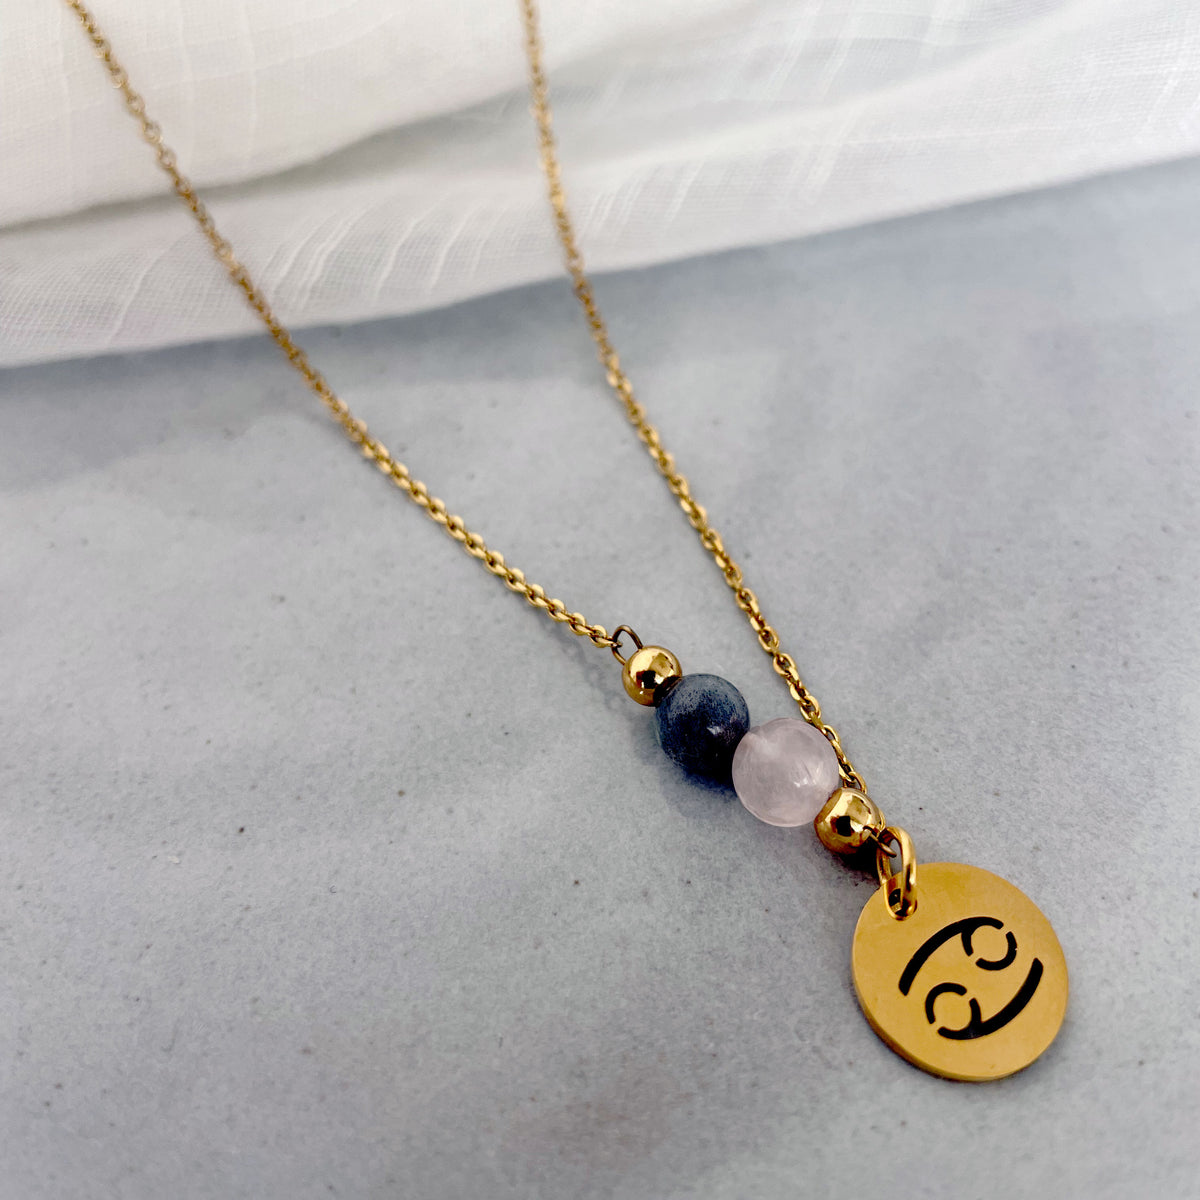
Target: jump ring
{"points": [[900, 886]]}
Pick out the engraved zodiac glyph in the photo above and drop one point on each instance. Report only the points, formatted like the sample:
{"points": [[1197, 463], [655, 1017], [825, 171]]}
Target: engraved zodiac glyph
{"points": [[978, 1025]]}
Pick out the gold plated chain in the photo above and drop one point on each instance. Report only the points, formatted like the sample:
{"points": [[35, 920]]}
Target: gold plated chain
{"points": [[397, 472], [710, 539], [355, 429]]}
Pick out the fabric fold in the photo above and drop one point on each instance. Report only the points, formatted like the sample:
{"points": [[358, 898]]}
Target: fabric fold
{"points": [[685, 130]]}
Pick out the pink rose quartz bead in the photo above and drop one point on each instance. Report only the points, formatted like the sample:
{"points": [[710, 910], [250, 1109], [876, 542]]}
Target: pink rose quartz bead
{"points": [[784, 771]]}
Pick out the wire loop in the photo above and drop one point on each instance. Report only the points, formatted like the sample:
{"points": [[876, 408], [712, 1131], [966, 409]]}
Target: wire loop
{"points": [[616, 642], [900, 886]]}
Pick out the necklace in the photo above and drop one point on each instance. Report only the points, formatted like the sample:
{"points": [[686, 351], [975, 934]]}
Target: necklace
{"points": [[964, 976]]}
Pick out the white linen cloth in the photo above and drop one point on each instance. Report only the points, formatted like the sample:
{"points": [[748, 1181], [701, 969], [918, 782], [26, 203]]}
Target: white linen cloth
{"points": [[375, 157]]}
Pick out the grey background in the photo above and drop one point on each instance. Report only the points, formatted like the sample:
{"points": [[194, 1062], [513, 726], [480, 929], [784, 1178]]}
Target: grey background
{"points": [[330, 869]]}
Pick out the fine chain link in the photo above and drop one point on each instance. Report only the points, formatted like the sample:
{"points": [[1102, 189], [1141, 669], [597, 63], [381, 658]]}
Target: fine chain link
{"points": [[355, 429], [710, 539], [397, 472]]}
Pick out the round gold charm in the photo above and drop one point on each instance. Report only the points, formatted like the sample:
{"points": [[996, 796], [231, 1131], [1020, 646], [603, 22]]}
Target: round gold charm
{"points": [[972, 985]]}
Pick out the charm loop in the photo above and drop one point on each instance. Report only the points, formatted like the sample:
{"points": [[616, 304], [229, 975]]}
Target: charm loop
{"points": [[900, 886]]}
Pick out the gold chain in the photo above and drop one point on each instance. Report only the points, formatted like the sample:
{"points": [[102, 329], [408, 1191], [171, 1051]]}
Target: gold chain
{"points": [[710, 539], [397, 472], [355, 428]]}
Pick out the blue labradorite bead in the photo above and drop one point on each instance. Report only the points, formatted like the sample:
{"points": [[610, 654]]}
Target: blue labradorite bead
{"points": [[701, 719]]}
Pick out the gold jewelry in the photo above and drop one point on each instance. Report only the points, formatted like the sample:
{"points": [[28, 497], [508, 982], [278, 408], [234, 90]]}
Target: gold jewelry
{"points": [[896, 935]]}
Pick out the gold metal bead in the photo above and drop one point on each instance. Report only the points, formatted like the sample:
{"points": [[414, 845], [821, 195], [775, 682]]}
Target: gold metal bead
{"points": [[849, 820], [646, 670]]}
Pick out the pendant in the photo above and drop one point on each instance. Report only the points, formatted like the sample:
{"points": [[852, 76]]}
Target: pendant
{"points": [[962, 976], [970, 982]]}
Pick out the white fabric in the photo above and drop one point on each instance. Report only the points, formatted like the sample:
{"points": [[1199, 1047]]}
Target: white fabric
{"points": [[377, 156]]}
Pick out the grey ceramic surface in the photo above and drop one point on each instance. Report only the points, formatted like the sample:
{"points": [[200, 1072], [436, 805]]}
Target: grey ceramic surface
{"points": [[330, 869]]}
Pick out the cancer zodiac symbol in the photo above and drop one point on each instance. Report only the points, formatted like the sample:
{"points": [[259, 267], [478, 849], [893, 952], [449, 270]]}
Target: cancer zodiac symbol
{"points": [[978, 1026]]}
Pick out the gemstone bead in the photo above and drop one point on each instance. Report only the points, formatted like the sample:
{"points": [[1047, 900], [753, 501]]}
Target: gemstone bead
{"points": [[701, 719], [784, 771]]}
